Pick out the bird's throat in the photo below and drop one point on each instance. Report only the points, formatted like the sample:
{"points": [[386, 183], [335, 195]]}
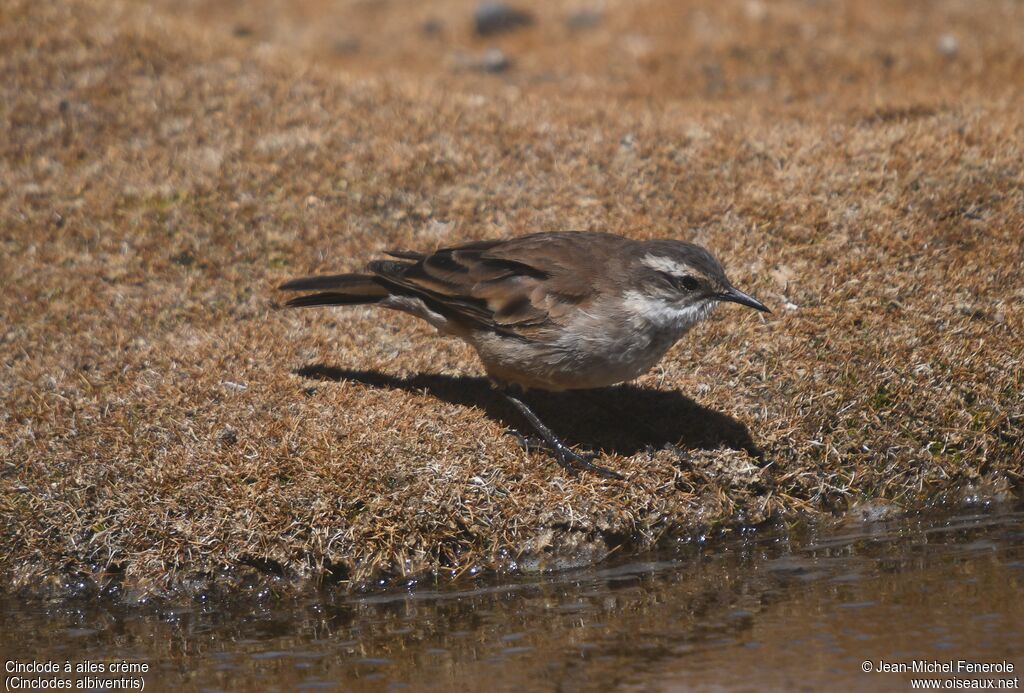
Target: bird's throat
{"points": [[666, 315]]}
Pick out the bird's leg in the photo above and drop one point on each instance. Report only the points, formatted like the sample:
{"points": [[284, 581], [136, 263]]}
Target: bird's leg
{"points": [[568, 458]]}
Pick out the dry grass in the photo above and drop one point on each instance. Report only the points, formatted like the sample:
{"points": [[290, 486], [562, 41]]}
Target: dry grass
{"points": [[163, 425]]}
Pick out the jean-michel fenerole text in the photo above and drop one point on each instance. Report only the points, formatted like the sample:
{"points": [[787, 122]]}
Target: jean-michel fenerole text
{"points": [[952, 666]]}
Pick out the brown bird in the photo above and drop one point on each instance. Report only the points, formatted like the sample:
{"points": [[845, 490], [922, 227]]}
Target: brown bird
{"points": [[550, 311]]}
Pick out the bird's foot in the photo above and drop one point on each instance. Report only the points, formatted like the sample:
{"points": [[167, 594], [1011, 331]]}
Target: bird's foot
{"points": [[570, 460], [574, 462]]}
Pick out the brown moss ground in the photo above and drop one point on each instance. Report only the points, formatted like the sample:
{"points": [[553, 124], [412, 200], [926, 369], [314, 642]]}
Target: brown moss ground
{"points": [[159, 176]]}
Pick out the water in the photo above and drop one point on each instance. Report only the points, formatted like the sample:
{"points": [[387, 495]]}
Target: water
{"points": [[768, 612]]}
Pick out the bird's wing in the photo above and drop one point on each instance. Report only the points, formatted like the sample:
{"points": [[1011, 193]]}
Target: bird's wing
{"points": [[516, 283]]}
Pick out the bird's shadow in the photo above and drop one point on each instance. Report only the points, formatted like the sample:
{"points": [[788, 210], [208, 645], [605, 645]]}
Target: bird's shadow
{"points": [[624, 419]]}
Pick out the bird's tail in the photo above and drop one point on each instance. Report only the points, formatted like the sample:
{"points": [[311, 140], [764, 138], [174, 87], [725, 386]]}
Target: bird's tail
{"points": [[336, 290]]}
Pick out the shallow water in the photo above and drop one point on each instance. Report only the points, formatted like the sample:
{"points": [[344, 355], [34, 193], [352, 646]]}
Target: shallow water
{"points": [[765, 612]]}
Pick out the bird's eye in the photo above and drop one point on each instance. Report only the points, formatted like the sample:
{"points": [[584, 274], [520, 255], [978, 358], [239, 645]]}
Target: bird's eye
{"points": [[684, 283], [689, 283]]}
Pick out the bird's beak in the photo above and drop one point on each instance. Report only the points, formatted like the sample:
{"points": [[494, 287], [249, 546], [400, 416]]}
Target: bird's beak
{"points": [[736, 296]]}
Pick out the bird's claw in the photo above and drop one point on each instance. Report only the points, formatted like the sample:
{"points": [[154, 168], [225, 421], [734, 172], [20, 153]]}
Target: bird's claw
{"points": [[574, 462]]}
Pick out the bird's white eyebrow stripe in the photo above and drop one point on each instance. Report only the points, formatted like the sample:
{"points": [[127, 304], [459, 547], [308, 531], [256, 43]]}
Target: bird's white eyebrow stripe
{"points": [[660, 263]]}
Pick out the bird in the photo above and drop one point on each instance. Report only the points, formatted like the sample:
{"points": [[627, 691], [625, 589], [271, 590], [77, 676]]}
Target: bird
{"points": [[552, 311]]}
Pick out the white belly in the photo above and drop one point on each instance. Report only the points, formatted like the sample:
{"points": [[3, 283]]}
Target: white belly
{"points": [[589, 352]]}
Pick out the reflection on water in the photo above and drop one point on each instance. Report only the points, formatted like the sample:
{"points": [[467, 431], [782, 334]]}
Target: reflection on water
{"points": [[762, 613]]}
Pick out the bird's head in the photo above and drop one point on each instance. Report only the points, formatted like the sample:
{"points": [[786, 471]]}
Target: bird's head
{"points": [[682, 282]]}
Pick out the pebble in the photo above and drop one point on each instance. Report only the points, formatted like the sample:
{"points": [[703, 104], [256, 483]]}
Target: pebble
{"points": [[347, 45], [432, 27], [948, 45], [583, 19], [493, 61], [496, 17]]}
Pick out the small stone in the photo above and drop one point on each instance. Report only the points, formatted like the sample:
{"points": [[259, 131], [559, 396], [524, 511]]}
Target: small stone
{"points": [[493, 61], [347, 45], [496, 17], [432, 27], [583, 19], [948, 45], [228, 436]]}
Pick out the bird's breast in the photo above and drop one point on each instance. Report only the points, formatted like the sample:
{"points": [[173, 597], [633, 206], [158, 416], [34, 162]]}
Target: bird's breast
{"points": [[594, 348]]}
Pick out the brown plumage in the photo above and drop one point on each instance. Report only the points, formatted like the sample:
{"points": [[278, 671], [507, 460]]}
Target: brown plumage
{"points": [[553, 311], [495, 284]]}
